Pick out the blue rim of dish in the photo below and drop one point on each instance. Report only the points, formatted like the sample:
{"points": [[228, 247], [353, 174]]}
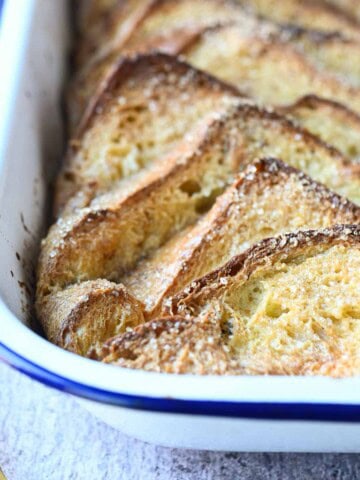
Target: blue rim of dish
{"points": [[254, 410], [1, 7]]}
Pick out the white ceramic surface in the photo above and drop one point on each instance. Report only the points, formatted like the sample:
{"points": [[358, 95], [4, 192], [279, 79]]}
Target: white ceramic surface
{"points": [[34, 41]]}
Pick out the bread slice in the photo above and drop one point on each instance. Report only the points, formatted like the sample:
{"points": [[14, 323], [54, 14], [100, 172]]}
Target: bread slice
{"points": [[82, 316], [106, 238], [145, 107], [136, 21], [171, 345], [269, 198], [317, 52], [93, 76], [325, 50], [266, 68], [331, 121], [289, 305], [314, 14], [166, 26]]}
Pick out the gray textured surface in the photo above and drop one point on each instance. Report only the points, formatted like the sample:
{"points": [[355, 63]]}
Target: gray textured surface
{"points": [[45, 435]]}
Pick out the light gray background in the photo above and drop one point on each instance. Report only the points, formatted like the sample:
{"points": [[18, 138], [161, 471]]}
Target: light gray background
{"points": [[45, 434]]}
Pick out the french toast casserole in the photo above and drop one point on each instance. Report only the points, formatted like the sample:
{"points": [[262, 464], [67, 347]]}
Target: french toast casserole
{"points": [[207, 212]]}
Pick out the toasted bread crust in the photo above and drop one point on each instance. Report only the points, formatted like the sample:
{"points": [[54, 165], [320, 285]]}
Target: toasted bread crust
{"points": [[81, 317], [163, 196], [267, 251], [95, 229], [192, 253], [152, 346], [136, 83], [197, 341], [322, 50], [258, 65]]}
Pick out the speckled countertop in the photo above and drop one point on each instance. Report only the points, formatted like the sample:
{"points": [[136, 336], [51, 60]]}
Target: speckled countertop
{"points": [[45, 434]]}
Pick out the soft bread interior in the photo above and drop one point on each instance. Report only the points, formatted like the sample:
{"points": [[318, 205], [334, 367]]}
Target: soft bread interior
{"points": [[299, 317]]}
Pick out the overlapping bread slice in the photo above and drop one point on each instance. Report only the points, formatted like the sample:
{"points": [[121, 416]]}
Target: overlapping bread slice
{"points": [[316, 14], [288, 305], [116, 230], [265, 67], [331, 121], [138, 21], [267, 199], [167, 27], [317, 56], [325, 50], [144, 108]]}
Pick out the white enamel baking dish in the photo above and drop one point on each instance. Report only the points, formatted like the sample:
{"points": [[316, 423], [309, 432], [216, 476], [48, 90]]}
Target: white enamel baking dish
{"points": [[217, 413]]}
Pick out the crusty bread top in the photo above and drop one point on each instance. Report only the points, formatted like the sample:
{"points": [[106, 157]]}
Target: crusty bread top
{"points": [[194, 297], [81, 317], [171, 345], [267, 199], [144, 107], [271, 70], [91, 242], [322, 49], [249, 318]]}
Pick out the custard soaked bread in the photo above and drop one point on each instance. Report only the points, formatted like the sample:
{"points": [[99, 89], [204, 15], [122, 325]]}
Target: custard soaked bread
{"points": [[178, 188], [267, 199], [82, 316], [289, 305], [168, 26], [332, 122], [147, 105], [317, 52], [265, 68], [162, 186], [110, 236]]}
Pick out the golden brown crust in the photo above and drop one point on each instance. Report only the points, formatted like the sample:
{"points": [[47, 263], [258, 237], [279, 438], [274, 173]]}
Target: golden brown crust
{"points": [[267, 251], [82, 316], [258, 64], [199, 340], [267, 199], [90, 243], [137, 87], [170, 345], [137, 65]]}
